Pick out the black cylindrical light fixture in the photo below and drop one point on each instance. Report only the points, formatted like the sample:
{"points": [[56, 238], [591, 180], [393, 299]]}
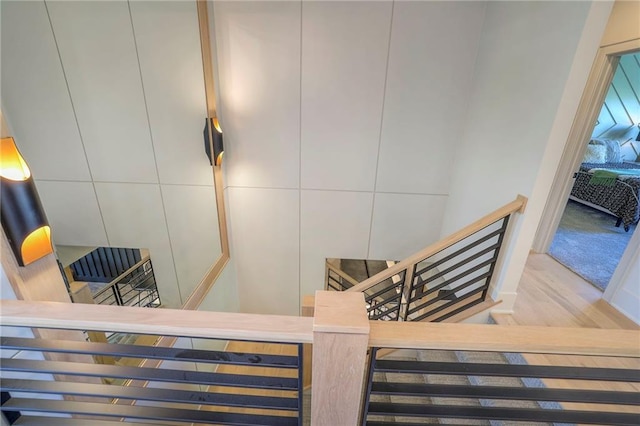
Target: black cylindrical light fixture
{"points": [[23, 218], [212, 127]]}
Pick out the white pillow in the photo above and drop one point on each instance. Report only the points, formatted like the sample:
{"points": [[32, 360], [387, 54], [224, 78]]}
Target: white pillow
{"points": [[595, 154]]}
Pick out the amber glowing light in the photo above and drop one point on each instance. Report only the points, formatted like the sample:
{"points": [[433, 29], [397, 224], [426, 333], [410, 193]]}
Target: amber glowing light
{"points": [[12, 165], [23, 218], [36, 245]]}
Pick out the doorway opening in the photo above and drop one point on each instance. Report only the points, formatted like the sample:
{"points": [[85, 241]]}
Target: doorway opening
{"points": [[603, 207]]}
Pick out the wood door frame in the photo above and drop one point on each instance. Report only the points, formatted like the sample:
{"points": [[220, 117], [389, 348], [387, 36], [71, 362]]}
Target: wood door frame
{"points": [[600, 77]]}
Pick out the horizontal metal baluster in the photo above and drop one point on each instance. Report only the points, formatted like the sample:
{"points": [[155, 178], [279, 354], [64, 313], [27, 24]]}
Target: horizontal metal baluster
{"points": [[460, 275], [150, 394], [509, 370], [141, 412], [499, 413], [149, 352], [460, 251], [450, 304], [151, 374], [453, 290], [505, 392], [464, 262], [473, 280]]}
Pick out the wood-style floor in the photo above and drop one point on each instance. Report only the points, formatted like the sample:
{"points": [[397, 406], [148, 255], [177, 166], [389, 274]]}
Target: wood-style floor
{"points": [[549, 294]]}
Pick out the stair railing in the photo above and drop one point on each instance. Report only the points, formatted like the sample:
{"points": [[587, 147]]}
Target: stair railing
{"points": [[337, 279], [193, 381], [546, 374], [584, 389], [442, 280], [134, 287]]}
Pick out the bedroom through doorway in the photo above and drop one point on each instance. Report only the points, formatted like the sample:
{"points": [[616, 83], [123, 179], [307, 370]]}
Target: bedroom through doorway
{"points": [[603, 209]]}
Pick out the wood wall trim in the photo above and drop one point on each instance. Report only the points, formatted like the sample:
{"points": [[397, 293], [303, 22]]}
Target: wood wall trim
{"points": [[200, 292], [207, 64]]}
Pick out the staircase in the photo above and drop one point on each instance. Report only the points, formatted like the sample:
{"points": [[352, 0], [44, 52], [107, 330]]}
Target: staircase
{"points": [[411, 367], [446, 281]]}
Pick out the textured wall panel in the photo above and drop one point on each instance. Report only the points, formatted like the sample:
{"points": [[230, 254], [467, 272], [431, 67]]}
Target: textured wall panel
{"points": [[193, 229], [431, 64], [344, 57], [404, 224], [333, 224], [258, 47], [265, 228], [73, 213], [99, 56], [171, 65], [34, 93]]}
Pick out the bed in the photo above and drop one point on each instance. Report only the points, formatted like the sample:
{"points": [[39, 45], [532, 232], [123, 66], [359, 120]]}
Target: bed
{"points": [[620, 197]]}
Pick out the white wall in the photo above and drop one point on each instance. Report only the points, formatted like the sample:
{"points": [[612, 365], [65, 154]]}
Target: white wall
{"points": [[626, 295], [341, 120], [533, 63], [107, 105]]}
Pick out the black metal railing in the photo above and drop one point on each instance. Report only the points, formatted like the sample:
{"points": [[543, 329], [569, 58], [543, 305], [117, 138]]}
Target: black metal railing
{"points": [[437, 286], [456, 278], [384, 300], [136, 287], [197, 386], [337, 281], [422, 391]]}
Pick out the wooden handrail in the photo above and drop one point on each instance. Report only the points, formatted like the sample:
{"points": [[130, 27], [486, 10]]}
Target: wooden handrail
{"points": [[290, 329], [521, 339], [517, 205], [164, 322], [342, 274]]}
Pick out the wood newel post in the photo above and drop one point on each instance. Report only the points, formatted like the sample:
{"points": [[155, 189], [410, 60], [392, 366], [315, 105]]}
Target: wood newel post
{"points": [[340, 341]]}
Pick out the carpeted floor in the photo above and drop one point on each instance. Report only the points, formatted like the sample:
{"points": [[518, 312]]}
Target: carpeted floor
{"points": [[588, 243]]}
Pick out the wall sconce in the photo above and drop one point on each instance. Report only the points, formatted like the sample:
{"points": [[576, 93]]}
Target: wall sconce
{"points": [[23, 218], [212, 127]]}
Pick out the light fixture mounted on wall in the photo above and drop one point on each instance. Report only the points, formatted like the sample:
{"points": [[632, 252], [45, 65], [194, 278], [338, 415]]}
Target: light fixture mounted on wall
{"points": [[23, 218], [212, 127]]}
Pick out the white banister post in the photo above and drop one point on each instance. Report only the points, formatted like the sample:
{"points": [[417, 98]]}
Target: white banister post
{"points": [[340, 341]]}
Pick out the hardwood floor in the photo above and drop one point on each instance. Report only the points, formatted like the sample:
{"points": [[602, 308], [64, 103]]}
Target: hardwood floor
{"points": [[261, 348], [551, 295]]}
